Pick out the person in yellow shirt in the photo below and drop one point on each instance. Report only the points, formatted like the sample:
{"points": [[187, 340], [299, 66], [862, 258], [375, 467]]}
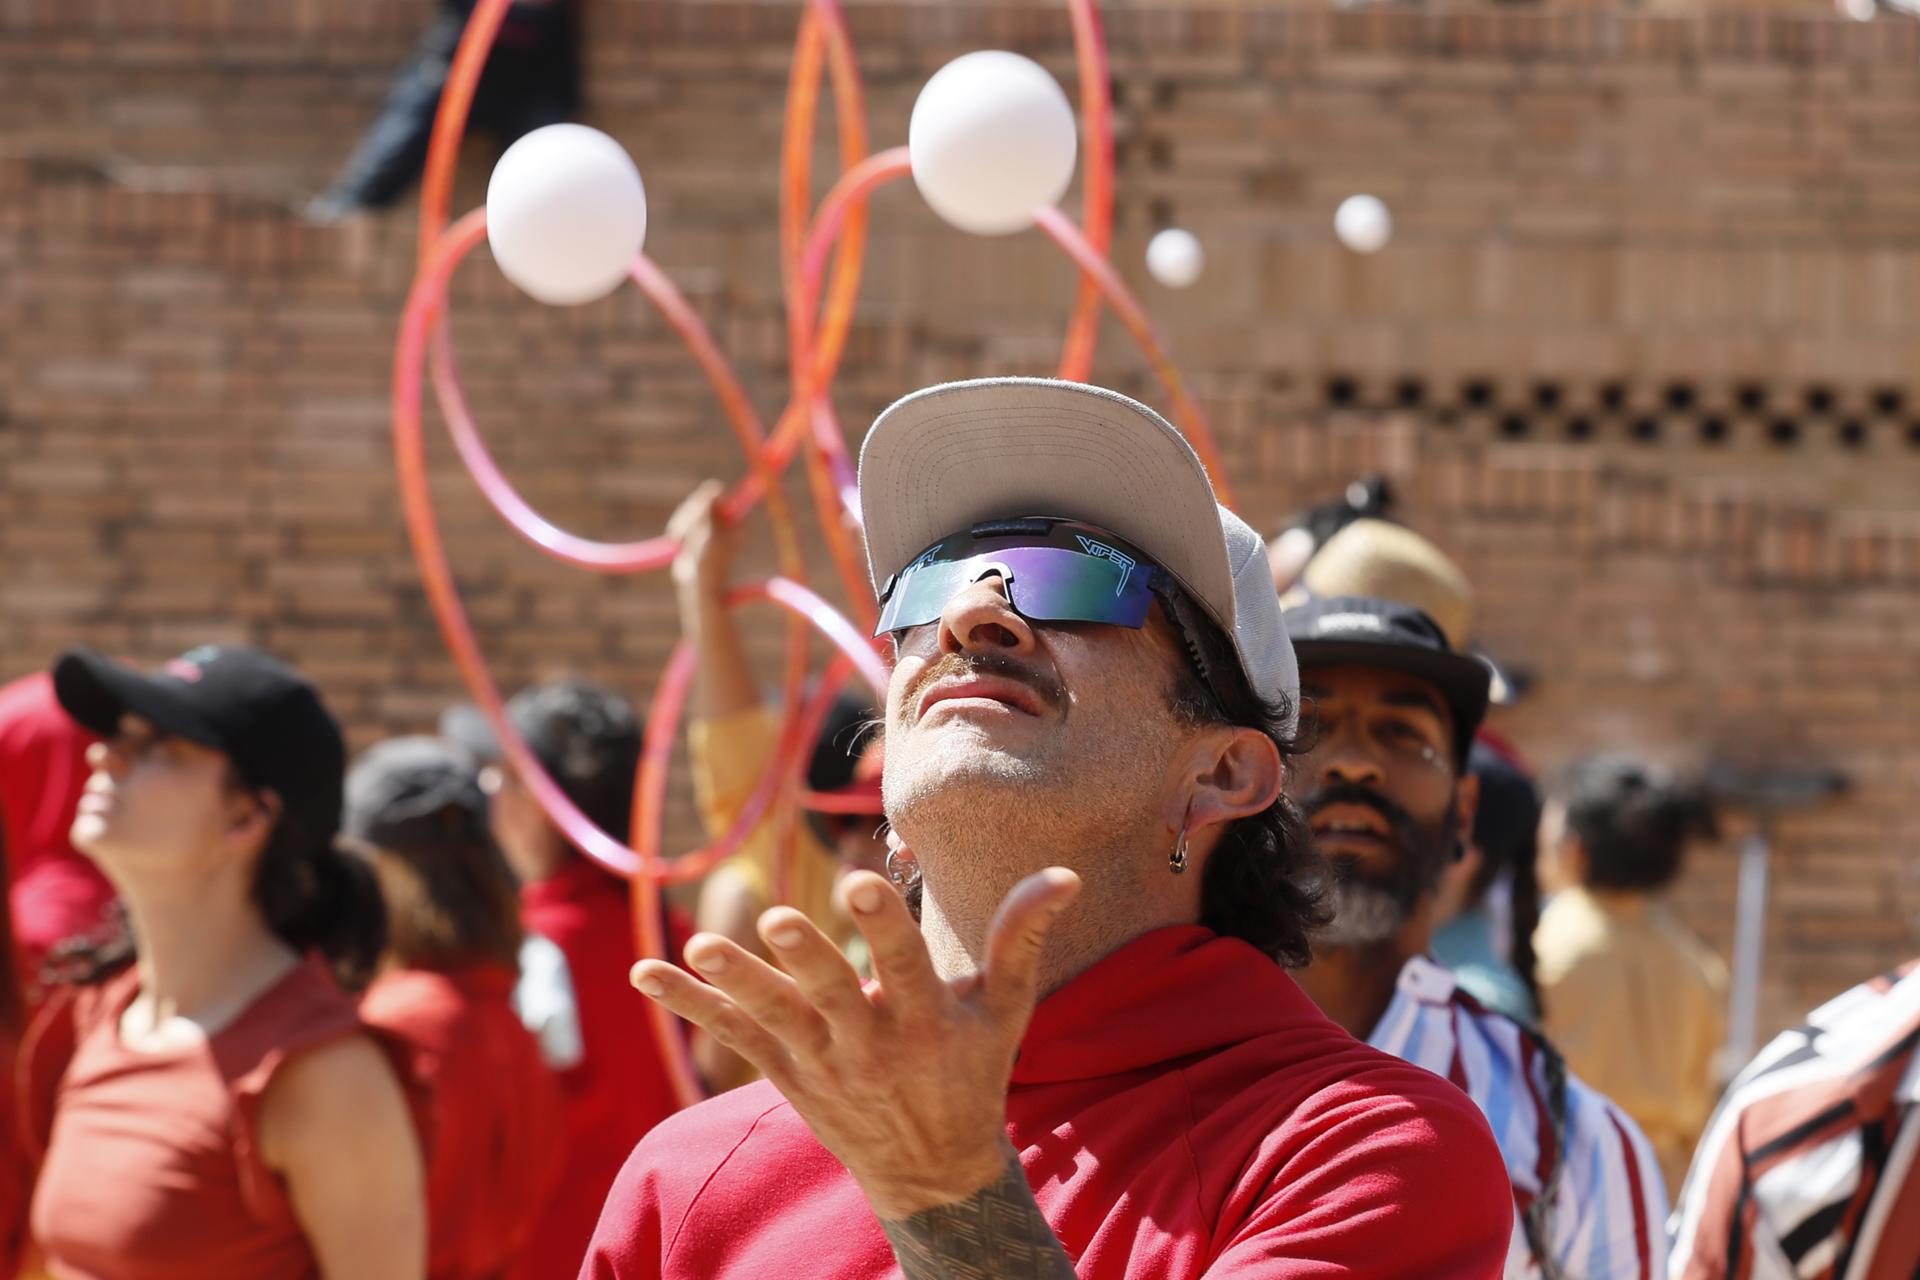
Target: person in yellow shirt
{"points": [[1633, 999], [731, 733]]}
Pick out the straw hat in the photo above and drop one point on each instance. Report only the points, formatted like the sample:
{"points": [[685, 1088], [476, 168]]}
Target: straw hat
{"points": [[1392, 562]]}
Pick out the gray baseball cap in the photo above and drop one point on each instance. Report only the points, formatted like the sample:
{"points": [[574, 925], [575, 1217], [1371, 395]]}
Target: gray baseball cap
{"points": [[945, 458]]}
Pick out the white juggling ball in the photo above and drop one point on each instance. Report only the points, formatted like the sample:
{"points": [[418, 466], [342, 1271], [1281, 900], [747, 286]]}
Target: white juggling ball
{"points": [[992, 138], [1175, 258], [1363, 224], [566, 213]]}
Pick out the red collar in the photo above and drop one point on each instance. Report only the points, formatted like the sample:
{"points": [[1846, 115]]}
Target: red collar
{"points": [[1169, 994]]}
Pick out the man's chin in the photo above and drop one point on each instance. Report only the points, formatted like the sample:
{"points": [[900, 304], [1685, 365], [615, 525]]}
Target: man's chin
{"points": [[1364, 915], [958, 748], [959, 787]]}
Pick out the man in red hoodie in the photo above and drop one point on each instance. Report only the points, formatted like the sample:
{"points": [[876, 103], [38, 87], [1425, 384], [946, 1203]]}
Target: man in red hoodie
{"points": [[572, 992], [56, 894], [1084, 1060]]}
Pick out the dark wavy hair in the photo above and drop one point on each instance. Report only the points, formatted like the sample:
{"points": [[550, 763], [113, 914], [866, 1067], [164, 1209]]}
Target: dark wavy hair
{"points": [[1506, 831], [1263, 882], [451, 899], [588, 737], [1634, 821], [322, 899]]}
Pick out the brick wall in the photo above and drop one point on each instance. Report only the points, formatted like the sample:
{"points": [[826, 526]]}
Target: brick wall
{"points": [[1642, 353]]}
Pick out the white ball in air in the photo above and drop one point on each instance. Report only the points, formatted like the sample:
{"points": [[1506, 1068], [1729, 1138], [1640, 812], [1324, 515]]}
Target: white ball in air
{"points": [[992, 138], [1175, 258], [566, 213], [1363, 224]]}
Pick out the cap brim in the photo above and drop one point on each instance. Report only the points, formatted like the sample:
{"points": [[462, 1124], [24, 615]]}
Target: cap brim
{"points": [[946, 458], [96, 691], [1462, 680], [1508, 685]]}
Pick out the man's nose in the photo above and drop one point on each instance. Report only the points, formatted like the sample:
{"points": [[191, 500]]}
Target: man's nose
{"points": [[980, 618], [1342, 755]]}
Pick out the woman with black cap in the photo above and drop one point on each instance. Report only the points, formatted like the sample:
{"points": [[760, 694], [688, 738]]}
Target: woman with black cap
{"points": [[225, 1112]]}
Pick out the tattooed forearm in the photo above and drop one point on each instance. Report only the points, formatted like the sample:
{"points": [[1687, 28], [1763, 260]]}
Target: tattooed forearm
{"points": [[996, 1233]]}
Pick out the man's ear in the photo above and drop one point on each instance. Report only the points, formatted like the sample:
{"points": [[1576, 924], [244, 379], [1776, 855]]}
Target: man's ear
{"points": [[1236, 772], [1570, 861], [1466, 802]]}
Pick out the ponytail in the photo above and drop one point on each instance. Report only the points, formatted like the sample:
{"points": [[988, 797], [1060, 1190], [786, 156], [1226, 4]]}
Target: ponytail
{"points": [[1523, 916], [1634, 821], [1506, 831], [322, 900]]}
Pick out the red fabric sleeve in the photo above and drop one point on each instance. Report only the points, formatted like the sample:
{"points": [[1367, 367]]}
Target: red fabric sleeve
{"points": [[644, 1213], [16, 1176], [45, 1051], [1396, 1188], [627, 1243]]}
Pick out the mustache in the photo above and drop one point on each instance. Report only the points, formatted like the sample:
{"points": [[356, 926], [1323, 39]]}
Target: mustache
{"points": [[1399, 821], [1051, 693]]}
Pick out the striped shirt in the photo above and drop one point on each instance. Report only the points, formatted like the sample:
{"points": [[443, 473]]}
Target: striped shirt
{"points": [[1604, 1198], [1808, 1168]]}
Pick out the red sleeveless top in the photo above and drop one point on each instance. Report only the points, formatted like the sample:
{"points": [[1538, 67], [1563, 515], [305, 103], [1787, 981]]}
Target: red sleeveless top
{"points": [[153, 1168]]}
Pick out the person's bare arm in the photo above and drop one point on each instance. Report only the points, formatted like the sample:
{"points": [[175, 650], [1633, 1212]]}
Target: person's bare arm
{"points": [[334, 1124], [724, 684], [995, 1232]]}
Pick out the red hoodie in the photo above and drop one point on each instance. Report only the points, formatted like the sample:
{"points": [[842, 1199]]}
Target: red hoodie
{"points": [[620, 1088], [1181, 1110], [56, 893]]}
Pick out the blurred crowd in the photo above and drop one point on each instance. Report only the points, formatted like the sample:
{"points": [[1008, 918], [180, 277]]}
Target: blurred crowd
{"points": [[271, 1009]]}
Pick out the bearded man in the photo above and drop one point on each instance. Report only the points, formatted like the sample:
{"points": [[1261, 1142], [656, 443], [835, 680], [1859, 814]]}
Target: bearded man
{"points": [[1387, 793]]}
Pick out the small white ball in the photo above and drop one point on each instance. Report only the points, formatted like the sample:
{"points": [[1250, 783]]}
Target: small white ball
{"points": [[566, 213], [992, 138], [1363, 224], [1175, 258]]}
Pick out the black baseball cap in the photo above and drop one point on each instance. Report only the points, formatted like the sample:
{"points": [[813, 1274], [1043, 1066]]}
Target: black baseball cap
{"points": [[406, 792], [259, 712], [1365, 631]]}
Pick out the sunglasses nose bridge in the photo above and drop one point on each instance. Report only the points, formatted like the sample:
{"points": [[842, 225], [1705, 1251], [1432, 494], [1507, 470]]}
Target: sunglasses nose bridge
{"points": [[975, 619], [993, 569]]}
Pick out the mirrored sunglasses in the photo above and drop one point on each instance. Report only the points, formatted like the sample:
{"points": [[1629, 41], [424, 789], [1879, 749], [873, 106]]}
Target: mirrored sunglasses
{"points": [[1095, 579]]}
